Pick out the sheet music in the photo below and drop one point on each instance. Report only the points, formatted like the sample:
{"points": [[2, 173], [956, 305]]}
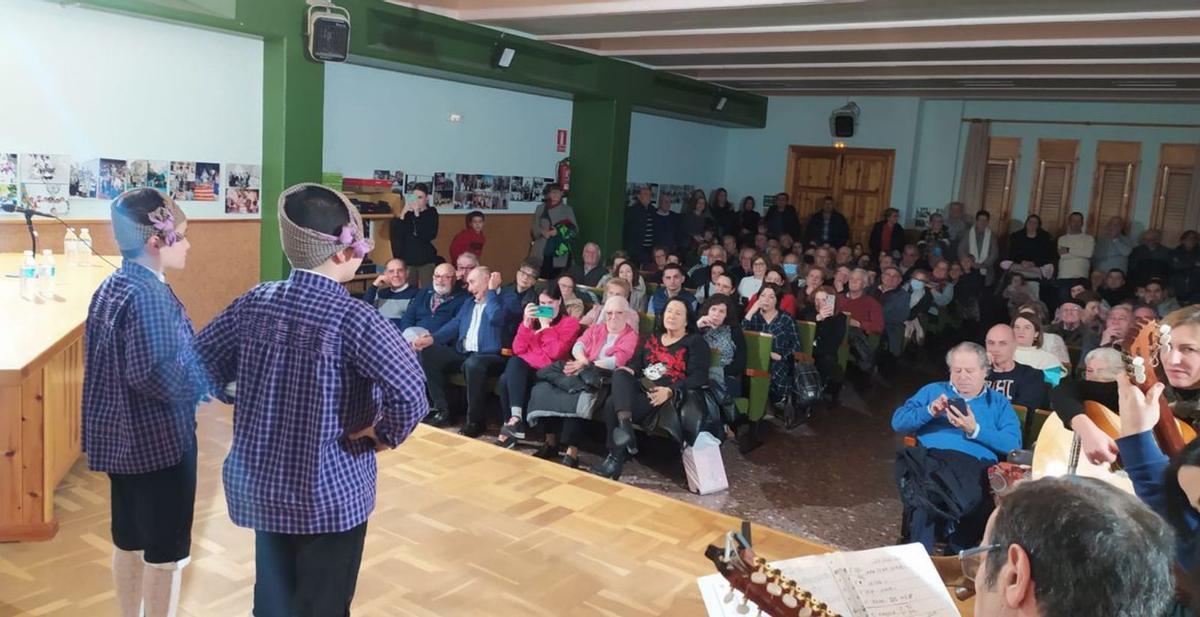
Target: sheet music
{"points": [[892, 581]]}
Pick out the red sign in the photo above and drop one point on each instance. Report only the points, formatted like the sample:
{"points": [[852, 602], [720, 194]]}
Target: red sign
{"points": [[561, 140]]}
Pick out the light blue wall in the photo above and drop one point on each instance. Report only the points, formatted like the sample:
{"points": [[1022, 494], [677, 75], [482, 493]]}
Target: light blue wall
{"points": [[668, 151], [756, 159], [381, 119]]}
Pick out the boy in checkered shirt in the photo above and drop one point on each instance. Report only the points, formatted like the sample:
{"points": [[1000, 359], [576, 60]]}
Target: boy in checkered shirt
{"points": [[323, 381]]}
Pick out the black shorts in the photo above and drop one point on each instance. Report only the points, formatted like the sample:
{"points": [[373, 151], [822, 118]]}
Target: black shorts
{"points": [[152, 512]]}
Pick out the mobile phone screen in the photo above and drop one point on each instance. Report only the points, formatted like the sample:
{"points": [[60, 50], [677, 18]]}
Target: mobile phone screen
{"points": [[959, 404], [544, 312]]}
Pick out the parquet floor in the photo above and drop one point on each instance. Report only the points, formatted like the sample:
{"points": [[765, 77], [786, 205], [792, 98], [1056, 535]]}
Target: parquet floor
{"points": [[461, 528]]}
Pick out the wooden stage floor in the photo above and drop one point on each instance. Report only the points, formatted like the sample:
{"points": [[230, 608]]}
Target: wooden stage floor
{"points": [[461, 528]]}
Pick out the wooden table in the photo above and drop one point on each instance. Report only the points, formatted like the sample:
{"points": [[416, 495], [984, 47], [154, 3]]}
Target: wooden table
{"points": [[41, 385]]}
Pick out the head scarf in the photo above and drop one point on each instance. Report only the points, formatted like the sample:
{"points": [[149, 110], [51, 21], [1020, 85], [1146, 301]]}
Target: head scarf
{"points": [[164, 222], [308, 248]]}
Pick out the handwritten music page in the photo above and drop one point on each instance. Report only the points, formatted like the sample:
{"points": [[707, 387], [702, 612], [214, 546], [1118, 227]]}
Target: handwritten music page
{"points": [[892, 581]]}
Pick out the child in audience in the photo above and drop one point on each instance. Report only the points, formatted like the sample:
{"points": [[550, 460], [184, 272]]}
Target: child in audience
{"points": [[141, 384], [470, 239], [323, 381]]}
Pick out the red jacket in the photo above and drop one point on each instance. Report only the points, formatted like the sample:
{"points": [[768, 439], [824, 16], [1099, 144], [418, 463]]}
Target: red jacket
{"points": [[467, 241], [539, 349], [866, 310]]}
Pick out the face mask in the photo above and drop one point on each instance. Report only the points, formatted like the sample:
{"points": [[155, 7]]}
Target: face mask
{"points": [[790, 269], [917, 284], [937, 251], [704, 260]]}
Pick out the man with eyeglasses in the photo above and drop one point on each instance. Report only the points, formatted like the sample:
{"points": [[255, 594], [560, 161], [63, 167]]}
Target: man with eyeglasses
{"points": [[523, 288], [1072, 546], [463, 266], [1069, 324], [435, 305]]}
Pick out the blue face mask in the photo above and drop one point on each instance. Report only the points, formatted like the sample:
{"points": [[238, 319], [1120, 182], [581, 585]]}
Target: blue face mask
{"points": [[704, 260], [937, 251], [916, 284], [790, 269]]}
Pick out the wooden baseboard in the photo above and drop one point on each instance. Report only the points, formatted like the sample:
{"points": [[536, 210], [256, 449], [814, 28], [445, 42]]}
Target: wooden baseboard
{"points": [[29, 532]]}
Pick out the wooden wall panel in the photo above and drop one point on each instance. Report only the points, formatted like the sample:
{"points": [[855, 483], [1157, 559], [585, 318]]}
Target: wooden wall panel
{"points": [[507, 239]]}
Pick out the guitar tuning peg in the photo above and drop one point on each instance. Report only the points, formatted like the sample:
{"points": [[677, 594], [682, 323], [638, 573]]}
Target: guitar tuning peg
{"points": [[759, 578], [1164, 340], [774, 589], [790, 601], [805, 611], [1139, 361], [1164, 329]]}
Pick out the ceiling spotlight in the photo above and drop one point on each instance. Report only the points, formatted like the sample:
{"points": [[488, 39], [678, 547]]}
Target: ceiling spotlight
{"points": [[503, 57], [719, 103]]}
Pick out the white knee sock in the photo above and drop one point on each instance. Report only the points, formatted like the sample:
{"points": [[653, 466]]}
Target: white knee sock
{"points": [[160, 586], [127, 579]]}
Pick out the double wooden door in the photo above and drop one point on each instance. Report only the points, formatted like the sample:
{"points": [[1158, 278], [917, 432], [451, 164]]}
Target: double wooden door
{"points": [[858, 179]]}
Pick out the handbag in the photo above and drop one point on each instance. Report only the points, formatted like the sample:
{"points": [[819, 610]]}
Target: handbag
{"points": [[808, 385]]}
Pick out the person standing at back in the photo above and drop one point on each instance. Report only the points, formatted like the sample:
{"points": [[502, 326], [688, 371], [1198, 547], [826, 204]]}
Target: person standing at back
{"points": [[1075, 249], [323, 382], [827, 226], [554, 228], [1112, 247], [412, 233], [1149, 259], [782, 218], [639, 228]]}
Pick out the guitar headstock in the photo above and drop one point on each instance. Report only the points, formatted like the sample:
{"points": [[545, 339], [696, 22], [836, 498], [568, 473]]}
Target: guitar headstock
{"points": [[1140, 350], [757, 582]]}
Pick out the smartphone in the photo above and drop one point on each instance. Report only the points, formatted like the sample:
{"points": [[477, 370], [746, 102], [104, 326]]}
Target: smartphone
{"points": [[829, 302], [544, 312], [958, 403]]}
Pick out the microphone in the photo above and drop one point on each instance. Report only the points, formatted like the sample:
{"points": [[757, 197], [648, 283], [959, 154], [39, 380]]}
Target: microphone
{"points": [[30, 213], [12, 207]]}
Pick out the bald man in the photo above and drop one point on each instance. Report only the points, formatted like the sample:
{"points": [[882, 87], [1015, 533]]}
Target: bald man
{"points": [[435, 304], [1020, 384]]}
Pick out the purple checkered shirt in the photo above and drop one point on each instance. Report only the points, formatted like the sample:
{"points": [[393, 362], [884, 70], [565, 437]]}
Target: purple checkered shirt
{"points": [[312, 365], [141, 378]]}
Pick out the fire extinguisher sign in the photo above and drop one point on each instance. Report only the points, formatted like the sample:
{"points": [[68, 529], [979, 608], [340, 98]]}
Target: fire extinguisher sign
{"points": [[560, 140]]}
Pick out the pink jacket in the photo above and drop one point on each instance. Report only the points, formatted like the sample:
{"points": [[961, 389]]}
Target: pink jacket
{"points": [[539, 349], [622, 351]]}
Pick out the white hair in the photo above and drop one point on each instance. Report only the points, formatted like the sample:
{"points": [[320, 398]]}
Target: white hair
{"points": [[969, 346], [1114, 363]]}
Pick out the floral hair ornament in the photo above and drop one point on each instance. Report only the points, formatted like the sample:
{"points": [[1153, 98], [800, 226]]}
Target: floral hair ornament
{"points": [[351, 237], [164, 222]]}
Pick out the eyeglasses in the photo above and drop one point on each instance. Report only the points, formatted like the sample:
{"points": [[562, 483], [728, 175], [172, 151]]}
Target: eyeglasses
{"points": [[971, 558]]}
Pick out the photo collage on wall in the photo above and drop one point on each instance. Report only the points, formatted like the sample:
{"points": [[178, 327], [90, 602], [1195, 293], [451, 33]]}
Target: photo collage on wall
{"points": [[243, 188], [45, 183], [455, 191], [8, 179], [677, 194]]}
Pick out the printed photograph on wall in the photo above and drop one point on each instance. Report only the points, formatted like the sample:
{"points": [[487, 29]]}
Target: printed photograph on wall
{"points": [[244, 177], [921, 219], [85, 179], [183, 180], [481, 200], [396, 176], [443, 189], [157, 174], [8, 168], [8, 194], [138, 169], [241, 201], [46, 168], [632, 188], [208, 182], [677, 193], [521, 189], [114, 178], [48, 197]]}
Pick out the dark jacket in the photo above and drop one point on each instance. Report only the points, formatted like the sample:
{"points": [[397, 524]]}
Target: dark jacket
{"points": [[668, 229], [1040, 249], [491, 326], [1185, 274], [876, 241], [635, 231], [1146, 263], [418, 313], [749, 220], [780, 222], [726, 218], [412, 237], [839, 229]]}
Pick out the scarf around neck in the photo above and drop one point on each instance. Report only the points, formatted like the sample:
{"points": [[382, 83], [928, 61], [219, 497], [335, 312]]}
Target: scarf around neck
{"points": [[980, 252]]}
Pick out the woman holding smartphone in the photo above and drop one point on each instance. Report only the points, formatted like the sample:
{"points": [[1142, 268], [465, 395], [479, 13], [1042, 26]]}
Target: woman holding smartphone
{"points": [[766, 317], [545, 335], [831, 330]]}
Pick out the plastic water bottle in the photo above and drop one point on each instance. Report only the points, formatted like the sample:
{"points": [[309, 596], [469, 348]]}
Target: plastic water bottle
{"points": [[28, 276], [71, 247], [84, 248], [46, 274]]}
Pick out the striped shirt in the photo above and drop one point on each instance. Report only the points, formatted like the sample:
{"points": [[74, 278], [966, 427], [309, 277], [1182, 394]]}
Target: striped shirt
{"points": [[141, 378], [312, 365]]}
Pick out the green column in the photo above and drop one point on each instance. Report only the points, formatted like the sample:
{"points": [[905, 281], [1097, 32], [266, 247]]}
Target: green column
{"points": [[599, 161]]}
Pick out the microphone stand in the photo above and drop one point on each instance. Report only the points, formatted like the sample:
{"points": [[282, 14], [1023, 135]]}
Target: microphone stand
{"points": [[30, 213], [32, 232]]}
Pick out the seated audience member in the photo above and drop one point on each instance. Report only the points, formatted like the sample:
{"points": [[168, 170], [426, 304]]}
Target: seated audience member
{"points": [[980, 244], [791, 267], [789, 300], [615, 287], [591, 270], [605, 346], [1021, 384], [935, 240], [526, 293], [1031, 247], [469, 343], [1099, 384], [707, 290], [745, 265], [671, 288], [765, 316], [813, 280], [661, 257], [1027, 565], [887, 236], [540, 341], [390, 291], [663, 369], [701, 273], [1115, 290], [721, 326], [841, 280], [470, 239], [572, 304], [830, 332], [435, 305], [1017, 293], [941, 288], [1144, 312], [1093, 314], [615, 260], [1185, 268], [1117, 324], [911, 260], [1069, 324], [894, 297], [866, 313], [956, 447], [1035, 348], [754, 279], [844, 256], [822, 258], [1156, 296], [638, 297], [462, 267]]}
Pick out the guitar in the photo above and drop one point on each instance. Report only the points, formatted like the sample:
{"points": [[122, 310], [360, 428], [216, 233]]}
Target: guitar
{"points": [[752, 576], [1141, 350]]}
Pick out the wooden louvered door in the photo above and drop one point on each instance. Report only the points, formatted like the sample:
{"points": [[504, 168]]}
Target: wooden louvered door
{"points": [[858, 179], [1113, 183], [1176, 173], [1051, 198], [998, 179]]}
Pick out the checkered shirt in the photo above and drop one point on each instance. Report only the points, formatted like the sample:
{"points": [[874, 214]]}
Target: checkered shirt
{"points": [[312, 365]]}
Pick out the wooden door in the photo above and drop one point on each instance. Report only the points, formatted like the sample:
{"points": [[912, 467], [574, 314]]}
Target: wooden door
{"points": [[1051, 197], [1113, 184], [858, 179]]}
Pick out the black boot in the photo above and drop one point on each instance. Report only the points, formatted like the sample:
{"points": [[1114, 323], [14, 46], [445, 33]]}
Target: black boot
{"points": [[437, 417], [611, 467], [623, 437], [746, 436]]}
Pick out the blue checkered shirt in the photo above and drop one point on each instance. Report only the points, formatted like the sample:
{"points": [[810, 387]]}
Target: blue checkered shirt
{"points": [[141, 378], [312, 365]]}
